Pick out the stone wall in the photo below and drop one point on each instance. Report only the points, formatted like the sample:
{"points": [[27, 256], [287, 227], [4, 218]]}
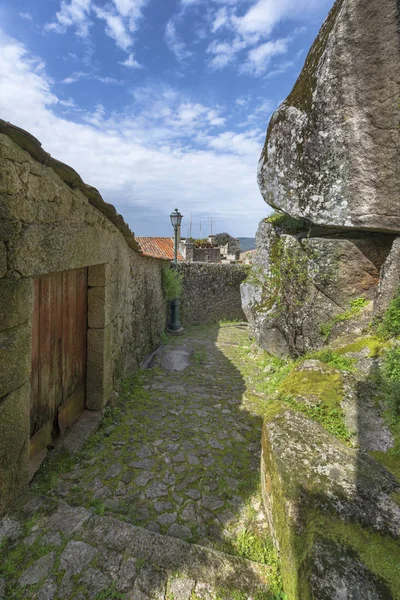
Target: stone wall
{"points": [[51, 222], [212, 255], [211, 292]]}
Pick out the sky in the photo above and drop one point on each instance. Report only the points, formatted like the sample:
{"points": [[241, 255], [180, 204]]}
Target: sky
{"points": [[160, 104]]}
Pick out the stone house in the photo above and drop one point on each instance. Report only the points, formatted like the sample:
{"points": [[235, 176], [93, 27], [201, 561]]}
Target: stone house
{"points": [[80, 304]]}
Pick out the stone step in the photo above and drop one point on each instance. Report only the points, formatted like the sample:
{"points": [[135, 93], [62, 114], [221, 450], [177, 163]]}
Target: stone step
{"points": [[207, 569], [81, 555]]}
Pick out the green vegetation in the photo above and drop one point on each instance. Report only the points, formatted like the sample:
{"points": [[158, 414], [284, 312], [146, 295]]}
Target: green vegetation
{"points": [[201, 242], [356, 306], [286, 222], [380, 554], [326, 385], [221, 239], [333, 358], [172, 284], [327, 389], [375, 345], [390, 325], [110, 594]]}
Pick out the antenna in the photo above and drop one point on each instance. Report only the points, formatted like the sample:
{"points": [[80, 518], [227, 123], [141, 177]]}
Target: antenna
{"points": [[211, 226], [200, 227], [190, 229]]}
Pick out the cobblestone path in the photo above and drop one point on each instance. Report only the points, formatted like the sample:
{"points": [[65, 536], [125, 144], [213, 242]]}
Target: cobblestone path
{"points": [[161, 499]]}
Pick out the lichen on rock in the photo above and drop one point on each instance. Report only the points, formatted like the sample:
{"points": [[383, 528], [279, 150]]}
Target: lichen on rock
{"points": [[331, 152]]}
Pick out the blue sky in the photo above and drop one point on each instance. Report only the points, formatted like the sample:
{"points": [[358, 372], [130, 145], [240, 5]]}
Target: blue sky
{"points": [[157, 103]]}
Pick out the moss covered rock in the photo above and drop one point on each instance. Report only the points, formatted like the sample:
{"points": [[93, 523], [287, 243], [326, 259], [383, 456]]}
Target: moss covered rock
{"points": [[301, 290], [321, 495], [331, 153]]}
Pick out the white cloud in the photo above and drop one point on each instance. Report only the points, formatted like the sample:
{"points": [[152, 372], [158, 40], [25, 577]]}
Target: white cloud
{"points": [[263, 16], [259, 58], [224, 53], [121, 19], [26, 15], [131, 62], [75, 14], [161, 152], [174, 42], [221, 19], [115, 28], [78, 75]]}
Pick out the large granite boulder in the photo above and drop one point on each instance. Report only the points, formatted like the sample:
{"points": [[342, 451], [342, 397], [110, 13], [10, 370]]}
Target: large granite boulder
{"points": [[332, 148], [389, 282], [332, 510], [301, 287]]}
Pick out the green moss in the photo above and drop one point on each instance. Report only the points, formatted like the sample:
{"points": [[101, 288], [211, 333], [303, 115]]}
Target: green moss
{"points": [[380, 554], [326, 385], [286, 222], [391, 459], [285, 534], [375, 345], [356, 306]]}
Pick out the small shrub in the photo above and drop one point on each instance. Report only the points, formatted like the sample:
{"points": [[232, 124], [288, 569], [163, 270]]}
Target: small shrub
{"points": [[172, 284]]}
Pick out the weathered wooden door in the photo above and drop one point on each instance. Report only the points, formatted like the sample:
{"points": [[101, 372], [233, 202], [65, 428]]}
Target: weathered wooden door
{"points": [[59, 332]]}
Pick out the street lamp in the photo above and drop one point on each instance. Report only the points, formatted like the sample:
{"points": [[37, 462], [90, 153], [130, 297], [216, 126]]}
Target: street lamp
{"points": [[175, 324], [176, 220]]}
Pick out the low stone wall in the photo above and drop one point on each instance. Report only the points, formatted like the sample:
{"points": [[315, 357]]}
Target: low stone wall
{"points": [[50, 222], [211, 292]]}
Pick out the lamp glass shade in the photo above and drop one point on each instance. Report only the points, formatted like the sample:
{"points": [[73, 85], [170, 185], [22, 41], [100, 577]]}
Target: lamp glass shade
{"points": [[176, 218]]}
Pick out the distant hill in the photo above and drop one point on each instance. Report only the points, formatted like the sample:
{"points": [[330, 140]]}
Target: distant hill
{"points": [[247, 244]]}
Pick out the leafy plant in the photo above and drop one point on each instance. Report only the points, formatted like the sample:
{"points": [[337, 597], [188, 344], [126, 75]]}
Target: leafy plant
{"points": [[172, 284]]}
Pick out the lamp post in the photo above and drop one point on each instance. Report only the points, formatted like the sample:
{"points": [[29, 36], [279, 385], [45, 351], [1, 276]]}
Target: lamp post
{"points": [[175, 325], [176, 220]]}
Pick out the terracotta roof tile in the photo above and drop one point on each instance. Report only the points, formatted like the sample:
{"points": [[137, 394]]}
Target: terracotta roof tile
{"points": [[159, 247]]}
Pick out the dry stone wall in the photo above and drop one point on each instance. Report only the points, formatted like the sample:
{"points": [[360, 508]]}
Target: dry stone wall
{"points": [[211, 292], [50, 223]]}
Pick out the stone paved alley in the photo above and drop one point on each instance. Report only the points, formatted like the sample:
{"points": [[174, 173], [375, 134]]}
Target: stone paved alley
{"points": [[163, 501]]}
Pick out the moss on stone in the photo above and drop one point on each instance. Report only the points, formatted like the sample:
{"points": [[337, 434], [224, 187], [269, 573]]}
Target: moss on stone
{"points": [[325, 384], [286, 222], [356, 307], [391, 459], [380, 554], [375, 345]]}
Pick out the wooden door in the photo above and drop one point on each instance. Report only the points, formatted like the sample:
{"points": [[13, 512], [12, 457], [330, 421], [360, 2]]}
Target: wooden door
{"points": [[59, 332]]}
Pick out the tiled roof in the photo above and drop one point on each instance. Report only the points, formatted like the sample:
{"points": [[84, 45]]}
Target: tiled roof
{"points": [[159, 247]]}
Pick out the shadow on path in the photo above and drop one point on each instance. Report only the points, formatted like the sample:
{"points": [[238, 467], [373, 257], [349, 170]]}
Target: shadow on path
{"points": [[178, 456]]}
